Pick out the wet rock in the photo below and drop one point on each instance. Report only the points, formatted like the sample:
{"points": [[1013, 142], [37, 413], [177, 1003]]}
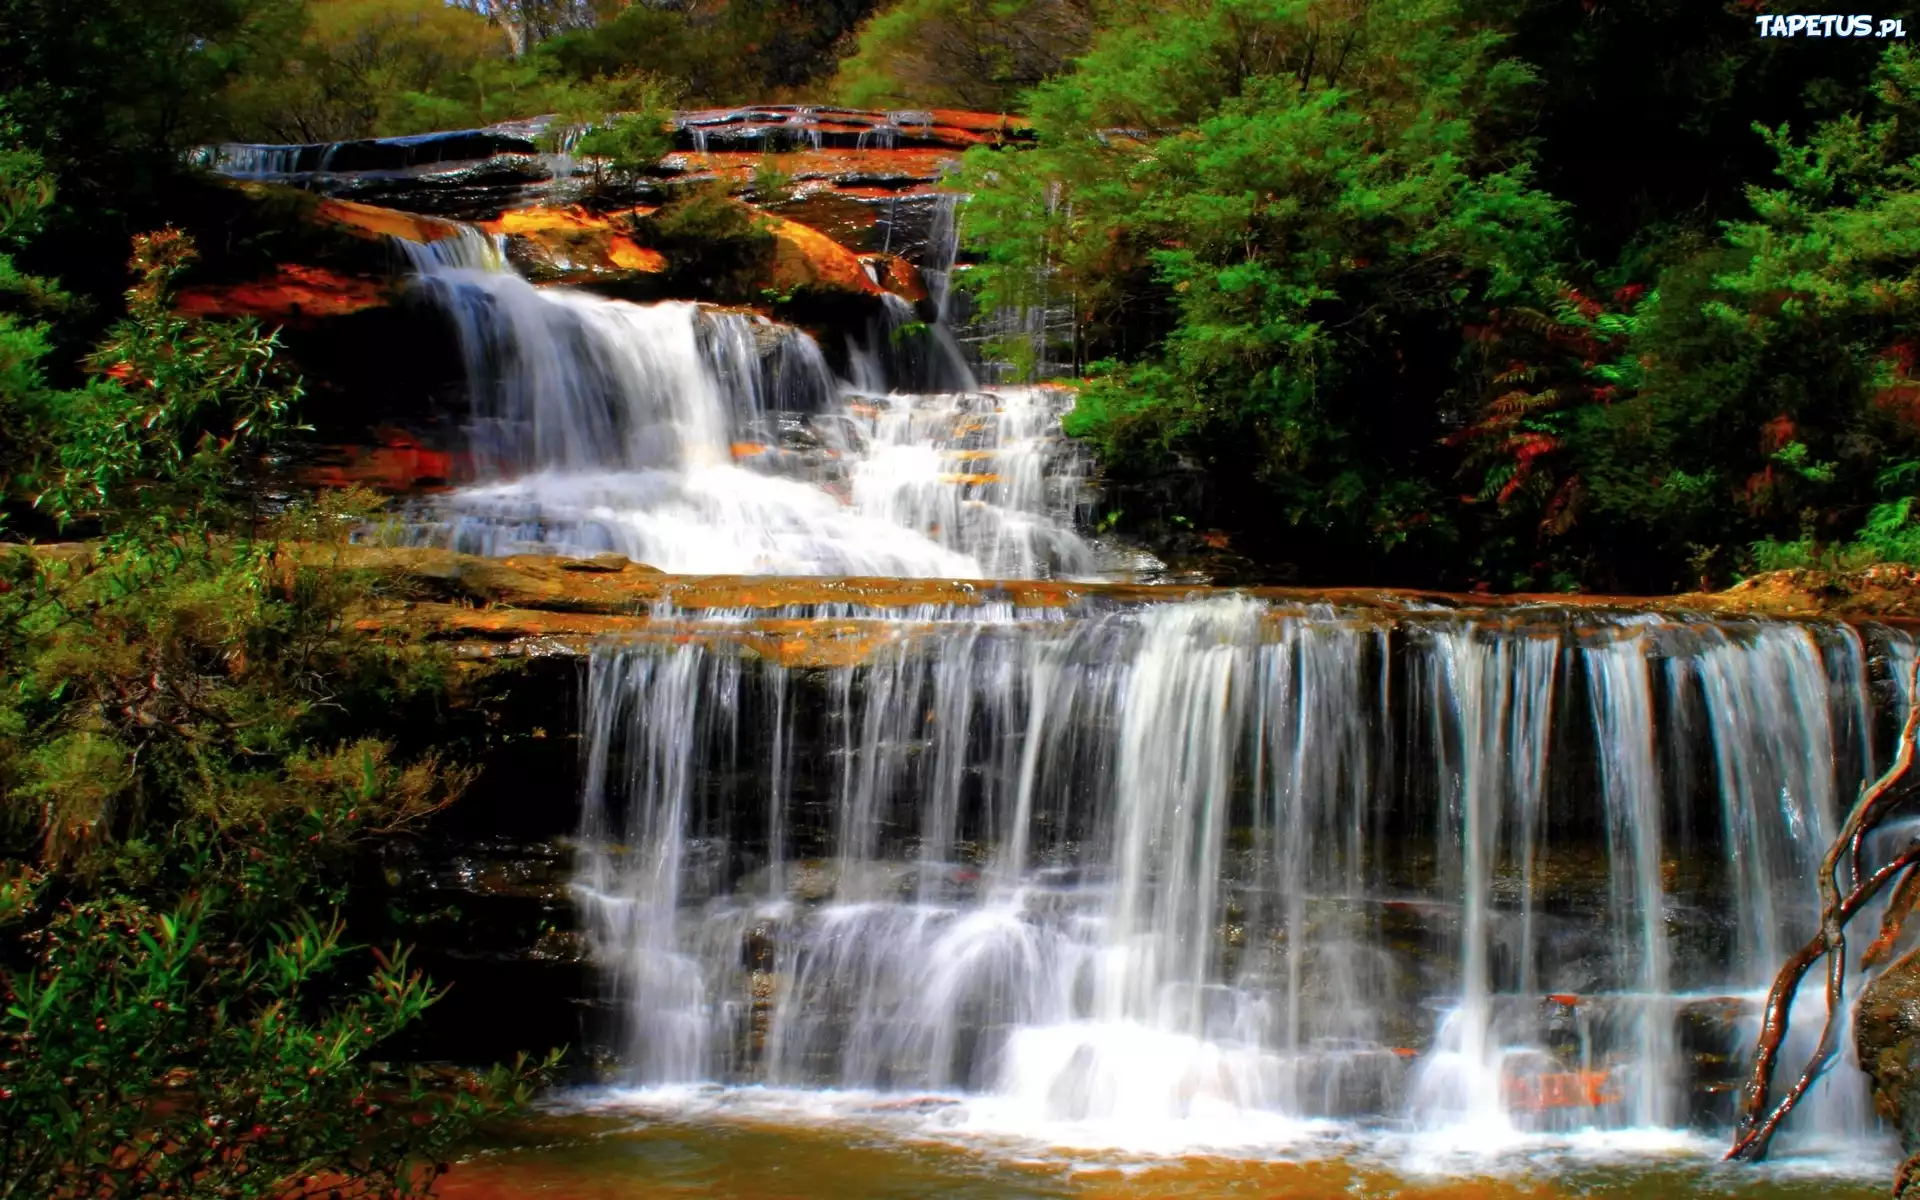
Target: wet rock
{"points": [[1715, 1040], [294, 295], [477, 174], [773, 127], [567, 242], [399, 464], [1887, 1036], [805, 258], [1889, 590], [373, 221], [540, 604]]}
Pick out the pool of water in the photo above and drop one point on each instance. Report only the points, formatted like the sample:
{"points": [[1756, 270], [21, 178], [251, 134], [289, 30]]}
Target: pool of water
{"points": [[754, 1145]]}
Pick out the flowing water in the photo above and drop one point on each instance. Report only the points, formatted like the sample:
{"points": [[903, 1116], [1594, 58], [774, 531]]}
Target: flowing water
{"points": [[701, 440], [1309, 900], [1228, 876]]}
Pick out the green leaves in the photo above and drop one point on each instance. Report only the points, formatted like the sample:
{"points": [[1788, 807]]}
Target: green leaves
{"points": [[1297, 205], [140, 1058], [150, 445], [187, 771]]}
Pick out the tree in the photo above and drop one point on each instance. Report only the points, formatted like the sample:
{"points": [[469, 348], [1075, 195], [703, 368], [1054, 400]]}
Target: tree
{"points": [[355, 66], [110, 93], [1773, 393], [1273, 219], [964, 53]]}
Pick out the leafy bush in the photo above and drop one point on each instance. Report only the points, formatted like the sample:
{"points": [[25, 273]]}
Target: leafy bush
{"points": [[195, 748], [771, 185], [970, 53], [711, 240], [1281, 256]]}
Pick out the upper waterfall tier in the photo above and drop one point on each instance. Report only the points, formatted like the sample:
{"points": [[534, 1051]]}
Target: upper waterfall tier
{"points": [[705, 440]]}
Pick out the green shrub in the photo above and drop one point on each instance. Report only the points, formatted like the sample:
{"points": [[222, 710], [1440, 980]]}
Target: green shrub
{"points": [[195, 749], [711, 240]]}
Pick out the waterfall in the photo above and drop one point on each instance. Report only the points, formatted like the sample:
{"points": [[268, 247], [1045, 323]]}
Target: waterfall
{"points": [[707, 441], [1214, 869]]}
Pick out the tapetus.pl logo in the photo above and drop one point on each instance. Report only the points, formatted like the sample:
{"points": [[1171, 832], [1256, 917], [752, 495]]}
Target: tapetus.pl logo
{"points": [[1829, 25]]}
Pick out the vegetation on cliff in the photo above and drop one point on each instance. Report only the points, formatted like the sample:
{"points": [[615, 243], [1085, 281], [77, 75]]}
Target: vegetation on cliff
{"points": [[194, 751]]}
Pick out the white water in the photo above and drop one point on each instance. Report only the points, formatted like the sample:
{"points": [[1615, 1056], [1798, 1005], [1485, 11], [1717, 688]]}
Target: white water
{"points": [[704, 441], [1219, 874]]}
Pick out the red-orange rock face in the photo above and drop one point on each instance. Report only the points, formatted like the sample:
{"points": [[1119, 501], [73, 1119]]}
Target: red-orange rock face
{"points": [[850, 219], [806, 258], [400, 464], [372, 221], [293, 295], [570, 239]]}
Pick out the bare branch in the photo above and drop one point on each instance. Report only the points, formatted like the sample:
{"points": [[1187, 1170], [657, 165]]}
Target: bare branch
{"points": [[1757, 1123]]}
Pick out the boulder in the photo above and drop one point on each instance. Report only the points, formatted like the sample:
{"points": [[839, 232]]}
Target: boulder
{"points": [[566, 242], [806, 259], [1886, 1029]]}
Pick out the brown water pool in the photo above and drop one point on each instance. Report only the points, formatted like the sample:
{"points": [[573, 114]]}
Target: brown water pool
{"points": [[636, 1155]]}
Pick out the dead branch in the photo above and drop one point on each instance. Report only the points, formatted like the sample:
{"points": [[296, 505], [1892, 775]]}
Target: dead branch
{"points": [[1758, 1124]]}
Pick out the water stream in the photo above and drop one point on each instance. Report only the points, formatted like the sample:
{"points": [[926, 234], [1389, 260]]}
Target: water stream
{"points": [[1225, 874], [702, 440]]}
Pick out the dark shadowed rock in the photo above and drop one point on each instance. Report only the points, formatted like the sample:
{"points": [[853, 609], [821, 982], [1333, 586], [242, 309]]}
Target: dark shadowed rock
{"points": [[1887, 1034]]}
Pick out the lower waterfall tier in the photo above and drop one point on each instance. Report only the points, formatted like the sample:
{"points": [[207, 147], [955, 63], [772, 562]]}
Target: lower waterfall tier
{"points": [[1216, 868]]}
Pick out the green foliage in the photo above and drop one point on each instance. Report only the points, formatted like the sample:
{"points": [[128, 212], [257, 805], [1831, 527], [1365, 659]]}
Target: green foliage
{"points": [[1308, 256], [617, 146], [25, 194], [195, 748], [1286, 251], [159, 440], [711, 240], [143, 1055], [627, 145], [1642, 115], [366, 67], [969, 53], [112, 91], [1773, 377], [719, 51], [771, 185], [1890, 535]]}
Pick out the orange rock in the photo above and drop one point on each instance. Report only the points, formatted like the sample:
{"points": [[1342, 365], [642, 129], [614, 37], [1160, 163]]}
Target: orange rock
{"points": [[896, 275], [803, 257], [292, 295], [750, 449], [402, 464], [569, 238], [924, 164], [980, 122], [1563, 1089], [368, 221]]}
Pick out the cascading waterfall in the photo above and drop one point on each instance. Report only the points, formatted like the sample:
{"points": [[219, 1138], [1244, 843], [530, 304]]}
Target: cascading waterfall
{"points": [[1224, 870], [703, 441]]}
